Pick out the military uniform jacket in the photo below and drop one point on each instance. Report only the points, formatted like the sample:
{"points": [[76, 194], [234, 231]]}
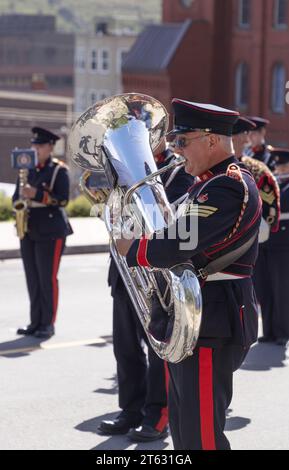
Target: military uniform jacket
{"points": [[226, 206], [176, 183], [47, 218], [280, 240]]}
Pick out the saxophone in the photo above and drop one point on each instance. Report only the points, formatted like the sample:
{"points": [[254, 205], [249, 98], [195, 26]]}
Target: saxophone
{"points": [[117, 136], [21, 206]]}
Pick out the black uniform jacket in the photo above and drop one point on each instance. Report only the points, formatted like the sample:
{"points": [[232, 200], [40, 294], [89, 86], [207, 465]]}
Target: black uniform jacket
{"points": [[280, 240], [226, 207], [49, 221], [177, 187]]}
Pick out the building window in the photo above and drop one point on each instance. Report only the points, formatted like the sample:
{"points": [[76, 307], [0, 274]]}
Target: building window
{"points": [[80, 100], [244, 13], [242, 86], [121, 55], [94, 62], [281, 14], [278, 88], [93, 97], [103, 94], [80, 59], [104, 60]]}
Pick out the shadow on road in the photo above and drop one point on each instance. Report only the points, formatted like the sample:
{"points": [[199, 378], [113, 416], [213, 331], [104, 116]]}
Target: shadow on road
{"points": [[113, 390], [235, 422], [264, 357], [20, 347], [116, 442]]}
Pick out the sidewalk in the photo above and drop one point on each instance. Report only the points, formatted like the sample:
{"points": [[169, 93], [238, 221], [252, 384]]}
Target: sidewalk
{"points": [[90, 236]]}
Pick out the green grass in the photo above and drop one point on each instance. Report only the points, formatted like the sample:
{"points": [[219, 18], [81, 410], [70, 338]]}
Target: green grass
{"points": [[83, 11]]}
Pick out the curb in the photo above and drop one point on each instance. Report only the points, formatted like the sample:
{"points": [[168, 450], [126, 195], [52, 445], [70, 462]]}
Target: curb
{"points": [[68, 250]]}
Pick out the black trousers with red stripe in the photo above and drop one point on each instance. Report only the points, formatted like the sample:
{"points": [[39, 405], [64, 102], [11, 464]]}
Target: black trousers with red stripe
{"points": [[200, 391], [142, 381], [41, 261]]}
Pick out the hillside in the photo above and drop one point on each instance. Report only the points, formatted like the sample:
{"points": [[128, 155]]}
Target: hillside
{"points": [[77, 15]]}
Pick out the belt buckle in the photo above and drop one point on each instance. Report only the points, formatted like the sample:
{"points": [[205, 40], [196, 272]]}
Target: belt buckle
{"points": [[202, 274]]}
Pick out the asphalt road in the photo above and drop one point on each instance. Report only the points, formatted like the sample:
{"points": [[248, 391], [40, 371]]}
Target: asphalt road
{"points": [[54, 394]]}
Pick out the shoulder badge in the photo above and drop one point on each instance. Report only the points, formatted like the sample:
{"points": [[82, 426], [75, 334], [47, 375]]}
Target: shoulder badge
{"points": [[234, 171], [59, 162]]}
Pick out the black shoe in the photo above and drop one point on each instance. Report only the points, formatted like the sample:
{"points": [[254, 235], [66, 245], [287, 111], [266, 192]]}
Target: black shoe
{"points": [[120, 425], [27, 330], [281, 341], [44, 331], [266, 339], [147, 433]]}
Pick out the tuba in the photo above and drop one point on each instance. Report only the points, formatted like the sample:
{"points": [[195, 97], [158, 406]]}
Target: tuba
{"points": [[117, 136]]}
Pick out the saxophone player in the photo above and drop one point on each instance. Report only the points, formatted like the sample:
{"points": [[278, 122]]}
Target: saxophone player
{"points": [[43, 241]]}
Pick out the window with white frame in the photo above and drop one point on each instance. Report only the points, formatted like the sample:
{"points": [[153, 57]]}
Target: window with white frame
{"points": [[278, 88], [244, 13], [93, 96], [104, 60], [93, 60], [121, 55], [80, 58], [242, 86], [281, 14], [80, 100]]}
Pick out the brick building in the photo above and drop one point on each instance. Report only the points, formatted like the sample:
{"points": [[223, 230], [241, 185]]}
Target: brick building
{"points": [[19, 112], [34, 56], [230, 52]]}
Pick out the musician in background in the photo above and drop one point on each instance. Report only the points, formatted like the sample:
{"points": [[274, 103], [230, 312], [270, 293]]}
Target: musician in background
{"points": [[42, 246], [265, 180], [259, 149], [226, 208], [274, 269], [142, 384]]}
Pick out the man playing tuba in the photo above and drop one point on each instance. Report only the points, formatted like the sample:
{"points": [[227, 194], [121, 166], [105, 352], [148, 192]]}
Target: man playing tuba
{"points": [[225, 205]]}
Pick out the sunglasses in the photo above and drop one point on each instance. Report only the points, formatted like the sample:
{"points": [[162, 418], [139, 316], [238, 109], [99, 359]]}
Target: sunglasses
{"points": [[183, 142]]}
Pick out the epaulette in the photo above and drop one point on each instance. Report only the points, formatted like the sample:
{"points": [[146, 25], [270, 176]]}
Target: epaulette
{"points": [[256, 167], [259, 171], [234, 171], [59, 162]]}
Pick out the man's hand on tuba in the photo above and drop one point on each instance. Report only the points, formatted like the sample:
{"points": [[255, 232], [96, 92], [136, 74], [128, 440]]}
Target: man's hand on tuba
{"points": [[123, 245]]}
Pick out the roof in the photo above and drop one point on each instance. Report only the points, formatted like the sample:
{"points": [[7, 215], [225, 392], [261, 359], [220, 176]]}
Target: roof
{"points": [[155, 47]]}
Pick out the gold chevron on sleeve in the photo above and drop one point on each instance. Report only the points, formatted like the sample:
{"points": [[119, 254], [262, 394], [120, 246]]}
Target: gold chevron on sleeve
{"points": [[269, 198], [200, 211]]}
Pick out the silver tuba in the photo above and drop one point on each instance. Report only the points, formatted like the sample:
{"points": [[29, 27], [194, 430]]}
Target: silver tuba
{"points": [[117, 136]]}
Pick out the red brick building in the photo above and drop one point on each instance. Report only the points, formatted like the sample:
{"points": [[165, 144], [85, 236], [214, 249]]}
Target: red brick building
{"points": [[230, 52]]}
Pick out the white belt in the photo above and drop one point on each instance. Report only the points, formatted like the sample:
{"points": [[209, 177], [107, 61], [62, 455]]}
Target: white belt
{"points": [[284, 216], [223, 277], [35, 204]]}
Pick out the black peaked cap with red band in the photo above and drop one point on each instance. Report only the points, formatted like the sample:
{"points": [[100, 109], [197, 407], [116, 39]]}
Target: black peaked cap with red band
{"points": [[190, 117], [43, 136], [243, 125], [259, 121]]}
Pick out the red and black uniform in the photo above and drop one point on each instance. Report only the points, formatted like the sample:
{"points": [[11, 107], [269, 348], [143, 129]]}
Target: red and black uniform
{"points": [[270, 196], [226, 207], [273, 285], [43, 245], [142, 386]]}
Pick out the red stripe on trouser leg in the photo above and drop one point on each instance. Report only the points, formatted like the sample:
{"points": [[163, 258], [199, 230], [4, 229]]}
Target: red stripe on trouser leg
{"points": [[206, 399], [56, 261], [141, 256], [164, 419]]}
